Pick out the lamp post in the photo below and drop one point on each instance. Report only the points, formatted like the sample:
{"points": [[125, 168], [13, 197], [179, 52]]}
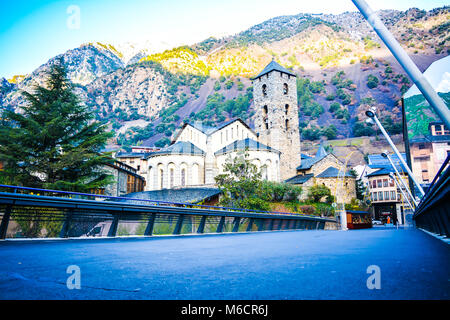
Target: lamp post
{"points": [[405, 61], [386, 155], [371, 113]]}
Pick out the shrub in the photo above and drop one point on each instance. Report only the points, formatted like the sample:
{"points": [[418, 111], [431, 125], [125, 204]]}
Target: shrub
{"points": [[372, 81], [307, 209]]}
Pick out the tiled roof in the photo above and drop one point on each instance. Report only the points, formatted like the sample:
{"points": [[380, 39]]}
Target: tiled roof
{"points": [[430, 138], [380, 172], [332, 172], [244, 144], [273, 66], [299, 179], [309, 162], [378, 161], [180, 147], [130, 154], [190, 195], [208, 130]]}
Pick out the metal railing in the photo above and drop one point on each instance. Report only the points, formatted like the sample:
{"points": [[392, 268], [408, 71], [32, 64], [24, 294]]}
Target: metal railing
{"points": [[39, 213], [433, 212]]}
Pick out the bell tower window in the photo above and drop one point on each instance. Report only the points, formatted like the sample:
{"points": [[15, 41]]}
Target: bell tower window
{"points": [[264, 90], [285, 88]]}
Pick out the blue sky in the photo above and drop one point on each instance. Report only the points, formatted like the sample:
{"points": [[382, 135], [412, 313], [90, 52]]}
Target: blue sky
{"points": [[31, 32]]}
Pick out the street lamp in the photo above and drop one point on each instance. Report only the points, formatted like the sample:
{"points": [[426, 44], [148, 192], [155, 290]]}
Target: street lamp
{"points": [[371, 113]]}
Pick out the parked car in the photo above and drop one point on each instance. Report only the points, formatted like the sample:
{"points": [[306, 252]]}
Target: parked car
{"points": [[376, 222]]}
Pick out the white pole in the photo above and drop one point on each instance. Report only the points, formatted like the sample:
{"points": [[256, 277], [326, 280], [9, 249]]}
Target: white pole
{"points": [[405, 61], [401, 180], [411, 175]]}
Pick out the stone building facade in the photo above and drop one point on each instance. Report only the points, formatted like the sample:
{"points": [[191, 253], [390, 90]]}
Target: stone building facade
{"points": [[198, 154], [325, 169], [276, 121]]}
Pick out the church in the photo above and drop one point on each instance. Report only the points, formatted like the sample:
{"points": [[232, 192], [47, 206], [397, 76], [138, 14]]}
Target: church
{"points": [[198, 153]]}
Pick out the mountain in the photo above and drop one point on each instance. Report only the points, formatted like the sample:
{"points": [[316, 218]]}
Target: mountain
{"points": [[145, 93]]}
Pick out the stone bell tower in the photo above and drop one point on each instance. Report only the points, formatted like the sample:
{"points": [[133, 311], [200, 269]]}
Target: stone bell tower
{"points": [[276, 122]]}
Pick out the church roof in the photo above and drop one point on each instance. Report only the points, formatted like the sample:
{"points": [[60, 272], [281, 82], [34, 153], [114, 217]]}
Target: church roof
{"points": [[248, 143], [186, 195], [180, 147], [208, 130], [309, 162], [273, 66], [299, 179], [332, 172]]}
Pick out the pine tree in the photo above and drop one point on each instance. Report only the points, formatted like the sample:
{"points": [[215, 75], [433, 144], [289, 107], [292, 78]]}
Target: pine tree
{"points": [[54, 143]]}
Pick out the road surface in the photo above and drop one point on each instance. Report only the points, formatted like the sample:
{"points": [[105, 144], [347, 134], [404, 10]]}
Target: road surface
{"points": [[267, 265]]}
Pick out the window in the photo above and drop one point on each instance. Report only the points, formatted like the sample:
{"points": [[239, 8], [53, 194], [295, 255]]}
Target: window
{"points": [[391, 182], [375, 196], [161, 178], [287, 124], [183, 177], [374, 183], [425, 176], [171, 177], [265, 110], [386, 195], [421, 146], [264, 89], [393, 195], [385, 182], [286, 109], [380, 195], [379, 183], [285, 88], [266, 123], [138, 168]]}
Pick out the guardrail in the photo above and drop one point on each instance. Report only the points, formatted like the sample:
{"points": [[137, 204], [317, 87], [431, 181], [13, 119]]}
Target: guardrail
{"points": [[72, 214], [433, 211]]}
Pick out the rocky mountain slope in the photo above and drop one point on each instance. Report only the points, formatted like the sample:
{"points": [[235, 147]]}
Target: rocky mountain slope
{"points": [[341, 65]]}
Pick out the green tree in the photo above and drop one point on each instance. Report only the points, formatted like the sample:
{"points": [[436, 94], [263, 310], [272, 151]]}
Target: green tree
{"points": [[317, 192], [241, 184], [54, 143]]}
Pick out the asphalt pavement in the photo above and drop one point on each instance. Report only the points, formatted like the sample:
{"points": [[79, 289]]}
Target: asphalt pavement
{"points": [[266, 265]]}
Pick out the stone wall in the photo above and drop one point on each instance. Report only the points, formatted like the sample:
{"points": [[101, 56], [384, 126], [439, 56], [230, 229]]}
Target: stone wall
{"points": [[276, 119]]}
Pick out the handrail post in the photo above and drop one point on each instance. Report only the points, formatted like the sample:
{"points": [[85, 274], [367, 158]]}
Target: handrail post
{"points": [[179, 224], [236, 223], [201, 226], [149, 229], [250, 225], [221, 223], [5, 222], [114, 225], [66, 225]]}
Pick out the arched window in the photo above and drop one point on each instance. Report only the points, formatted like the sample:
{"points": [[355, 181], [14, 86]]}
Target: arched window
{"points": [[266, 123], [150, 178], [195, 174], [264, 90], [287, 124], [161, 178], [171, 177], [264, 172], [265, 110], [285, 88], [183, 177], [286, 109]]}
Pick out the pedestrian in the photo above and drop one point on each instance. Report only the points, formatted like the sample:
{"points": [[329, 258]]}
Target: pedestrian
{"points": [[394, 219]]}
